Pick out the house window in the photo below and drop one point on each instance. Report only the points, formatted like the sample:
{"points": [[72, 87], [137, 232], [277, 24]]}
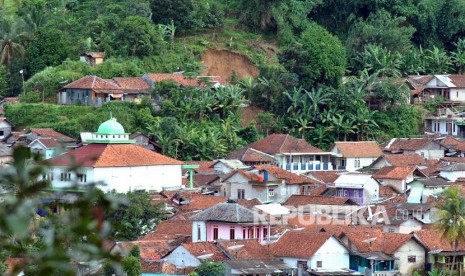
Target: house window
{"points": [[251, 235], [232, 233], [319, 264], [199, 234], [357, 163], [391, 230], [422, 154], [412, 259], [244, 232], [82, 177], [240, 193], [215, 232], [356, 194], [270, 192], [302, 264], [2, 132], [340, 193], [265, 233]]}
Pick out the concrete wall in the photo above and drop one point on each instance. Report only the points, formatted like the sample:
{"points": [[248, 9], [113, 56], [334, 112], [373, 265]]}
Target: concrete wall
{"points": [[452, 176], [125, 179], [224, 231], [180, 257], [410, 248], [332, 254], [199, 231], [364, 162]]}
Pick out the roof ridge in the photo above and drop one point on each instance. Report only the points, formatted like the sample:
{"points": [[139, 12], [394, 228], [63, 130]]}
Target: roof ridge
{"points": [[284, 142]]}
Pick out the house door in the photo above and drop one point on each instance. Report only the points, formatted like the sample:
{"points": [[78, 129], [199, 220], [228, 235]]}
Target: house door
{"points": [[449, 128]]}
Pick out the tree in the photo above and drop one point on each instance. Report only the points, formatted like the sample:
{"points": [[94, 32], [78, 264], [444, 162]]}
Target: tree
{"points": [[458, 56], [211, 269], [131, 265], [178, 11], [451, 223], [135, 217], [53, 244], [11, 37], [138, 37], [4, 77], [379, 60], [317, 57], [438, 61]]}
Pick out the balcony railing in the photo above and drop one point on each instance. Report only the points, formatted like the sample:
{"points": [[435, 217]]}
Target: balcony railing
{"points": [[305, 167]]}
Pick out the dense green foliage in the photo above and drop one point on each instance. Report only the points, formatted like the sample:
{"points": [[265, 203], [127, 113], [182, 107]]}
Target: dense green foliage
{"points": [[331, 74], [210, 269]]}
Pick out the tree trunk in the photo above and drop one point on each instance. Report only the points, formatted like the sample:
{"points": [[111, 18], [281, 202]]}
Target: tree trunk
{"points": [[453, 259]]}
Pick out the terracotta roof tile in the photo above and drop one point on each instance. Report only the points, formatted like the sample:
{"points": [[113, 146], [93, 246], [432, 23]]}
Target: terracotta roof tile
{"points": [[249, 203], [49, 143], [404, 159], [327, 177], [202, 248], [393, 241], [150, 249], [397, 145], [365, 239], [93, 83], [204, 166], [391, 172], [359, 149], [389, 192], [250, 155], [202, 180], [298, 244], [432, 240], [301, 200], [169, 229], [112, 155], [453, 159], [134, 84], [289, 177], [202, 202], [283, 143], [50, 133], [250, 250], [178, 78], [432, 167]]}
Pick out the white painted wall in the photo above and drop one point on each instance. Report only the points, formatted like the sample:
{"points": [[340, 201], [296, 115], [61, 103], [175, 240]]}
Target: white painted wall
{"points": [[452, 176], [457, 94], [332, 254], [125, 179], [364, 162], [180, 257], [199, 227], [410, 248]]}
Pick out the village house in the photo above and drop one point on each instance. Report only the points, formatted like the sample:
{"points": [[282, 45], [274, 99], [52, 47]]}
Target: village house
{"points": [[426, 147], [267, 183], [190, 255], [225, 166], [427, 88], [229, 221], [453, 147], [440, 252], [145, 141], [398, 160], [352, 156], [311, 251], [453, 171], [93, 90], [92, 58], [251, 157], [361, 188], [445, 122], [112, 158], [293, 154], [36, 133], [46, 147], [5, 128], [398, 177], [422, 188]]}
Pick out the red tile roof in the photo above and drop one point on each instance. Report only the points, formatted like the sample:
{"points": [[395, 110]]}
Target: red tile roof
{"points": [[453, 159], [389, 192], [50, 133], [404, 159], [250, 250], [283, 143], [203, 248], [298, 244], [49, 143], [202, 202], [168, 230], [327, 177], [397, 145], [301, 200], [365, 239], [250, 155], [112, 155], [397, 173], [134, 84], [94, 83], [178, 78], [204, 166], [432, 240], [359, 149], [288, 177], [393, 241], [249, 203]]}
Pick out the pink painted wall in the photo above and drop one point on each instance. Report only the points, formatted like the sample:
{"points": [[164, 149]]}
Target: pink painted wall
{"points": [[223, 231]]}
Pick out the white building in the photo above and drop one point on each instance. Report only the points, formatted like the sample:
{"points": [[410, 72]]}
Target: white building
{"points": [[310, 250], [113, 161], [352, 156], [453, 171]]}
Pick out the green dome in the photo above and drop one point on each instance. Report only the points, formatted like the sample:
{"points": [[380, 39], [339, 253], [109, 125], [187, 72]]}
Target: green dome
{"points": [[110, 127]]}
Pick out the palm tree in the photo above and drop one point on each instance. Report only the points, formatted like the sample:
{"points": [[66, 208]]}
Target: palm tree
{"points": [[10, 36], [438, 61], [451, 223]]}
